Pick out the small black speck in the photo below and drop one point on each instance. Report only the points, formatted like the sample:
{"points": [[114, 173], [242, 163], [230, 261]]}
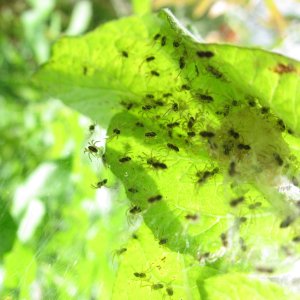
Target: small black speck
{"points": [[125, 54]]}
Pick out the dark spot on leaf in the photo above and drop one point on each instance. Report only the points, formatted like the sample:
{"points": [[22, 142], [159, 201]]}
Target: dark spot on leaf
{"points": [[231, 169], [132, 190], [215, 72], [287, 222]]}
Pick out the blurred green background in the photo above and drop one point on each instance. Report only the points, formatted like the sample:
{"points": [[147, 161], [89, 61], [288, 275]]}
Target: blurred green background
{"points": [[59, 236]]}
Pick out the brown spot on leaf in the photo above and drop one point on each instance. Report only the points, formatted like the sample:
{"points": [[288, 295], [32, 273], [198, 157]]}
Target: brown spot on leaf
{"points": [[284, 69]]}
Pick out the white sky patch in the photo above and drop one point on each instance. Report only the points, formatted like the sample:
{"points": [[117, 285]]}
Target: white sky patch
{"points": [[102, 203], [31, 188], [33, 216]]}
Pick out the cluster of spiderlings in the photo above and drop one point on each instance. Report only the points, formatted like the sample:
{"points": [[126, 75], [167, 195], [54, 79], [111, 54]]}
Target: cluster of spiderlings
{"points": [[176, 117]]}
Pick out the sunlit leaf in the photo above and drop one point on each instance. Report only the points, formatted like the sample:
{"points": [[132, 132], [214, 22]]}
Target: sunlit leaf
{"points": [[201, 144]]}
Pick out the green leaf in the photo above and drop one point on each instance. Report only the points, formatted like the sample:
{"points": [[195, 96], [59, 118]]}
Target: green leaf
{"points": [[203, 160], [273, 76], [148, 270], [238, 286]]}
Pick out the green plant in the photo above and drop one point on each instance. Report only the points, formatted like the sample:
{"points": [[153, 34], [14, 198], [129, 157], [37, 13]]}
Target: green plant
{"points": [[204, 140]]}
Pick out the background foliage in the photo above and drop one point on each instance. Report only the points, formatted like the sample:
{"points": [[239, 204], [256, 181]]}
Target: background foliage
{"points": [[60, 237]]}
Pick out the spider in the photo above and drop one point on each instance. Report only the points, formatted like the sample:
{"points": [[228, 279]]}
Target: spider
{"points": [[93, 150]]}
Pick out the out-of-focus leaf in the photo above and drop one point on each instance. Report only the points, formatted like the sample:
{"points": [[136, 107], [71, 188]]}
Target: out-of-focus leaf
{"points": [[8, 229]]}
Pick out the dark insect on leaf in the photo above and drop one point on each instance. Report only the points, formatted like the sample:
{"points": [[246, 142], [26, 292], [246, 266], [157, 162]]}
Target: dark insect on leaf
{"points": [[121, 251], [237, 201], [281, 125], [169, 291], [149, 96], [224, 239], [163, 241], [191, 133], [204, 97], [192, 217], [150, 134], [264, 110], [173, 147], [167, 95], [154, 73], [233, 133], [243, 147], [135, 210], [139, 124], [100, 184], [147, 107], [159, 103], [278, 159], [185, 87], [125, 54], [207, 134], [157, 286], [150, 58], [117, 131], [157, 36], [176, 44], [125, 159], [216, 73], [181, 62], [172, 125], [175, 106], [85, 70], [156, 164], [205, 54], [155, 198], [254, 205], [191, 122], [139, 275], [163, 40]]}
